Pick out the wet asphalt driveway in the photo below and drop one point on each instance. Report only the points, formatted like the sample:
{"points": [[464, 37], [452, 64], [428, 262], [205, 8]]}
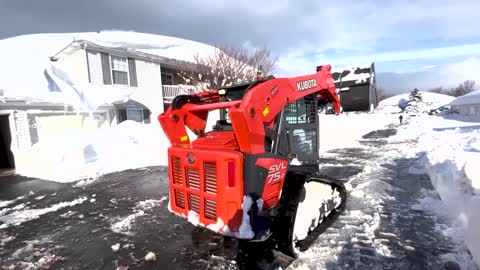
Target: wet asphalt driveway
{"points": [[114, 221]]}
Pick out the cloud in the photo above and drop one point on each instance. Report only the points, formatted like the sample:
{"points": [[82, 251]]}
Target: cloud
{"points": [[302, 33], [297, 63]]}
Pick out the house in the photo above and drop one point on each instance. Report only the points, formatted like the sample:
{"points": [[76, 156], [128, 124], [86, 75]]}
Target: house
{"points": [[89, 83], [357, 87], [468, 104], [151, 79]]}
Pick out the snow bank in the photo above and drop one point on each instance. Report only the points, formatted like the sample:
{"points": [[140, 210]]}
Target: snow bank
{"points": [[450, 149], [88, 154], [430, 101]]}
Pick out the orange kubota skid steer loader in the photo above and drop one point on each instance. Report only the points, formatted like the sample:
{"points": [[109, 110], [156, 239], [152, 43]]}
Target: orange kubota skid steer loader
{"points": [[255, 175]]}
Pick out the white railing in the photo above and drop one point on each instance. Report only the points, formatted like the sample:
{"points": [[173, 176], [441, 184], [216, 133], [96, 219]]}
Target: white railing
{"points": [[171, 91]]}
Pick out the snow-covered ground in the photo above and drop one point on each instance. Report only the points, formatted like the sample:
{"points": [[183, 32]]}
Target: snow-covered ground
{"points": [[449, 150]]}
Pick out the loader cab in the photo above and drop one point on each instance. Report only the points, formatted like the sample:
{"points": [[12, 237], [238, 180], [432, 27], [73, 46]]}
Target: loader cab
{"points": [[299, 131], [298, 125]]}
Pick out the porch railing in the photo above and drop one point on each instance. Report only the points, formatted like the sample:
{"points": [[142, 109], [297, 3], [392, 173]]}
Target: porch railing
{"points": [[171, 91]]}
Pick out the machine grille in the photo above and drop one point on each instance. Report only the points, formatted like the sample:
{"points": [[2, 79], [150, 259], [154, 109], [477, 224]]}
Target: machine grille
{"points": [[193, 178], [210, 177], [177, 171], [210, 209], [179, 199], [194, 203], [195, 188]]}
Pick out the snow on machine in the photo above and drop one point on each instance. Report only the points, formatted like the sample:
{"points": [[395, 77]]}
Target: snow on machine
{"points": [[255, 175]]}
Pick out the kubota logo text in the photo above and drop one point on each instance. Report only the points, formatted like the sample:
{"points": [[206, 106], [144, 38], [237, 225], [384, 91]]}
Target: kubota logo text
{"points": [[276, 172], [305, 85]]}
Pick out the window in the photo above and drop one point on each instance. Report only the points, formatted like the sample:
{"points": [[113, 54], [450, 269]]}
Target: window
{"points": [[119, 70], [167, 78]]}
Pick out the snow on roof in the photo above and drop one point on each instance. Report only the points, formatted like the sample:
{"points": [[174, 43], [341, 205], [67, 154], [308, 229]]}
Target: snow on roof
{"points": [[468, 99], [170, 47], [358, 73], [432, 100], [26, 61]]}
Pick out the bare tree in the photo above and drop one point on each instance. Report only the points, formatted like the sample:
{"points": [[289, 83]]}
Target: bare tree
{"points": [[438, 90], [227, 66], [462, 89]]}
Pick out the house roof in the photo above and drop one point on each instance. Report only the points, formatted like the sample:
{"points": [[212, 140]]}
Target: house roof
{"points": [[76, 45], [353, 76], [472, 98]]}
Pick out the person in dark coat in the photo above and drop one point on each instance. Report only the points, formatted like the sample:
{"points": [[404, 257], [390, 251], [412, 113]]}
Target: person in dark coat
{"points": [[401, 118]]}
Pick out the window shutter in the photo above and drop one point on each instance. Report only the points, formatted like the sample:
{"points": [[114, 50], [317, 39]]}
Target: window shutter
{"points": [[132, 70], [107, 77]]}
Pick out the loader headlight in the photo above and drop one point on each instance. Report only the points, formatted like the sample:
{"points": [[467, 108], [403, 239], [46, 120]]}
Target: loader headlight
{"points": [[222, 92]]}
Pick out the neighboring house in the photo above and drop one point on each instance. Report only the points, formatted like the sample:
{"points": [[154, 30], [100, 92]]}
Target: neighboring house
{"points": [[357, 88], [151, 82], [468, 104]]}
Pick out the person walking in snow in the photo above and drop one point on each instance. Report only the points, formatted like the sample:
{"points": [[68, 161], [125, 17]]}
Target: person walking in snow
{"points": [[401, 118]]}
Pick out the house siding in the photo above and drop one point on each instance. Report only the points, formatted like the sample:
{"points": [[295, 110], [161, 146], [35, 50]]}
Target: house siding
{"points": [[75, 65], [95, 67], [357, 98], [149, 91]]}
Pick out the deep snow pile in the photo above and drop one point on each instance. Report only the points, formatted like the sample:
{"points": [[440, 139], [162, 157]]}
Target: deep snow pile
{"points": [[449, 147], [88, 154], [430, 101]]}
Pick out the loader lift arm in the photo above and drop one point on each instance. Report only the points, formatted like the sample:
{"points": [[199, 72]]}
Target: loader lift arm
{"points": [[258, 107]]}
